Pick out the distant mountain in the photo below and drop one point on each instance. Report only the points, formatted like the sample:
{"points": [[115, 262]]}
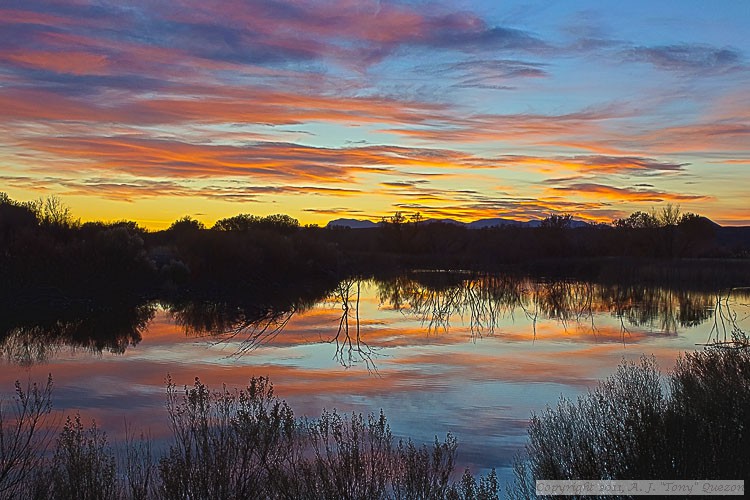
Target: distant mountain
{"points": [[706, 220], [352, 223], [579, 223], [477, 224], [443, 221], [482, 223]]}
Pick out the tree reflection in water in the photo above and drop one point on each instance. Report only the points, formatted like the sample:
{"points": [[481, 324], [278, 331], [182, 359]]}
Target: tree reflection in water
{"points": [[437, 297], [227, 321], [726, 330], [351, 349], [257, 325], [31, 334], [485, 299]]}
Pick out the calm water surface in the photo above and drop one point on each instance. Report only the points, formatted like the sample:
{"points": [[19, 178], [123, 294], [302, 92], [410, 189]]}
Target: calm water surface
{"points": [[437, 353]]}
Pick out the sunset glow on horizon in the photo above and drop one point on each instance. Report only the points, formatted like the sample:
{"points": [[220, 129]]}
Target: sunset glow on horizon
{"points": [[321, 110]]}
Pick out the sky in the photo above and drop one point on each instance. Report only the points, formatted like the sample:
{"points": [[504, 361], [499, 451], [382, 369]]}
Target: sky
{"points": [[151, 111]]}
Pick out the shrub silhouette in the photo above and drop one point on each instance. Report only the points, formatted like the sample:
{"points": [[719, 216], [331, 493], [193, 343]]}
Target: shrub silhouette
{"points": [[227, 444], [84, 465], [248, 444], [24, 438], [230, 445], [244, 222], [632, 427], [709, 414]]}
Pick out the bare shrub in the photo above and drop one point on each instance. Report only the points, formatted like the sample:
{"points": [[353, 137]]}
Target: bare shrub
{"points": [[421, 472], [709, 414], [614, 432], [354, 457], [25, 435], [487, 488], [140, 468], [83, 466], [351, 457], [226, 444], [629, 428], [248, 444]]}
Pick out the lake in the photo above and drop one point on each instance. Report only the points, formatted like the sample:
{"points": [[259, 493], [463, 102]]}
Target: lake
{"points": [[438, 352]]}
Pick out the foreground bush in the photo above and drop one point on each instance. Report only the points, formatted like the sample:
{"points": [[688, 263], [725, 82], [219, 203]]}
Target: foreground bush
{"points": [[636, 426], [241, 444], [709, 414], [24, 438], [83, 466], [248, 444], [230, 445]]}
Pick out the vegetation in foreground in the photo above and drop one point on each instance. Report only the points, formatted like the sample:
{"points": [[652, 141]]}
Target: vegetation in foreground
{"points": [[226, 445], [248, 443], [634, 426]]}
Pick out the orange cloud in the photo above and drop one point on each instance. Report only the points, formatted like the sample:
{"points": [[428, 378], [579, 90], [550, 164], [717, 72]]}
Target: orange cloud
{"points": [[77, 63], [625, 194], [150, 157], [595, 164]]}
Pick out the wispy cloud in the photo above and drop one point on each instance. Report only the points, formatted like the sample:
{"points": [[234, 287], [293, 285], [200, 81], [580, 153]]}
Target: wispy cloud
{"points": [[625, 194], [687, 58], [597, 164], [529, 128], [131, 189], [149, 157], [488, 73]]}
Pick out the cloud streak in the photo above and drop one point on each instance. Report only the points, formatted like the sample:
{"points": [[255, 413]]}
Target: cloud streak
{"points": [[687, 58], [625, 194]]}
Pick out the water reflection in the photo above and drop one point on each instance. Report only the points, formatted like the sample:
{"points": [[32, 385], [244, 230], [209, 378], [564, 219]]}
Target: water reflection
{"points": [[727, 328], [350, 347], [32, 334], [256, 325], [486, 299], [417, 328], [437, 297], [481, 303], [228, 320]]}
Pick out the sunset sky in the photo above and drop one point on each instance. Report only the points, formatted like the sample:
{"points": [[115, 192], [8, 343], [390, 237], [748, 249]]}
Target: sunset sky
{"points": [[152, 110]]}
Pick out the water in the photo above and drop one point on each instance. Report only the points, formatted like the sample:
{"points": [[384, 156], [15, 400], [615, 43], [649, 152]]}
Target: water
{"points": [[437, 352]]}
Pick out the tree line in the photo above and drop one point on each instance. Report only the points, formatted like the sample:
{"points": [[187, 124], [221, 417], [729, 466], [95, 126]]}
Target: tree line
{"points": [[46, 253]]}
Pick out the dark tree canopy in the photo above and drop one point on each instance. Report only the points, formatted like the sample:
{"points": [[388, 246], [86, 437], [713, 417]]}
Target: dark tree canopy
{"points": [[245, 222]]}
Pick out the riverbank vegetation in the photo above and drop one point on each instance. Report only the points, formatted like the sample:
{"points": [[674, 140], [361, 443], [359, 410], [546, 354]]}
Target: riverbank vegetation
{"points": [[226, 445], [638, 424], [247, 443], [48, 256]]}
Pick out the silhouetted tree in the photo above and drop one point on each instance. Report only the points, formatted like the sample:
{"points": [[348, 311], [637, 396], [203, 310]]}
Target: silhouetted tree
{"points": [[637, 220], [669, 215], [695, 235], [14, 217], [557, 221], [52, 212], [186, 224], [246, 222]]}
